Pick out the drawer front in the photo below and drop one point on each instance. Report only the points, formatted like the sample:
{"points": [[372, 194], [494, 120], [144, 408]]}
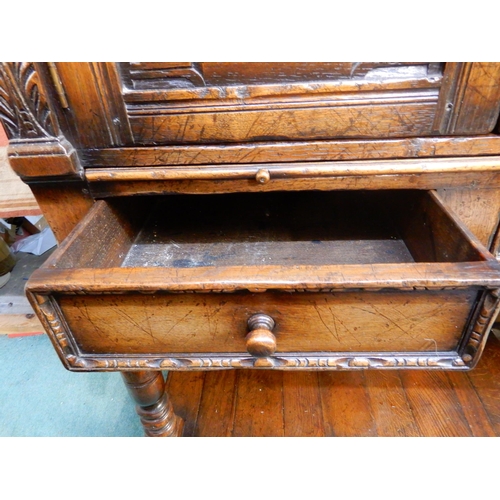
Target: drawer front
{"points": [[344, 331], [305, 322]]}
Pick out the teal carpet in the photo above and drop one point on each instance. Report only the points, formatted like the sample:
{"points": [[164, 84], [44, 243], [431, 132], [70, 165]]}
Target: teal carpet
{"points": [[39, 397]]}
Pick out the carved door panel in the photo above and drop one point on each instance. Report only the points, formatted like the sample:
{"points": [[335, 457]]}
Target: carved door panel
{"points": [[193, 103], [99, 105]]}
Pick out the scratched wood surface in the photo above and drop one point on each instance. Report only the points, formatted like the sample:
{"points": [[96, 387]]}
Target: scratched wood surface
{"points": [[314, 404], [479, 209], [311, 151], [391, 119], [306, 322]]}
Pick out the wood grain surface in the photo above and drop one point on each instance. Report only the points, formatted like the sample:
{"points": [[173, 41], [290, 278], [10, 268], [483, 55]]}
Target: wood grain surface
{"points": [[336, 322], [479, 209], [178, 75], [20, 324], [64, 205], [430, 180], [371, 117]]}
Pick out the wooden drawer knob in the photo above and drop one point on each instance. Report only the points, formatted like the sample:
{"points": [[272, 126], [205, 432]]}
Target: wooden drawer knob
{"points": [[262, 176], [260, 340]]}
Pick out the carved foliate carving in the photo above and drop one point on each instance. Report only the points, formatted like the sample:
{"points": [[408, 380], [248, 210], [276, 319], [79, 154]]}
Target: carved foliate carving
{"points": [[37, 148], [24, 110]]}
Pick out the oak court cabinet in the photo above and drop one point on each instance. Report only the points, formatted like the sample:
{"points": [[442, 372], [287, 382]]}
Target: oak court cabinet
{"points": [[285, 216]]}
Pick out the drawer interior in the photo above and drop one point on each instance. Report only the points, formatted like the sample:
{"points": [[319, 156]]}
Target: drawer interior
{"points": [[278, 229]]}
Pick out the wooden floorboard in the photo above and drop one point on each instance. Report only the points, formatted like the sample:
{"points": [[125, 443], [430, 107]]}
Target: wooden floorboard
{"points": [[345, 404], [303, 416], [471, 405], [259, 404], [485, 378], [434, 404], [389, 405], [216, 414], [20, 324], [314, 404]]}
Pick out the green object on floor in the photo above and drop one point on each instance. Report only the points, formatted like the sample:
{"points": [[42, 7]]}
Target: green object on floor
{"points": [[7, 260], [39, 397]]}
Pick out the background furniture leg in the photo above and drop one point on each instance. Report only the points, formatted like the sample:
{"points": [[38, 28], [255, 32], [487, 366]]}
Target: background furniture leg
{"points": [[154, 408]]}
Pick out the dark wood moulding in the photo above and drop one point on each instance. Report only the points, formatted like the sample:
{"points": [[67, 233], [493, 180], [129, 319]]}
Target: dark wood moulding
{"points": [[289, 152], [470, 180], [479, 172]]}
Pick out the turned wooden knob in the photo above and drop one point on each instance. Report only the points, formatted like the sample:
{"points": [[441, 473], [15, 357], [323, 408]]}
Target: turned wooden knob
{"points": [[260, 340], [262, 176]]}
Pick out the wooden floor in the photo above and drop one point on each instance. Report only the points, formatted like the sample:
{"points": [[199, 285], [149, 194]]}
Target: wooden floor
{"points": [[371, 403]]}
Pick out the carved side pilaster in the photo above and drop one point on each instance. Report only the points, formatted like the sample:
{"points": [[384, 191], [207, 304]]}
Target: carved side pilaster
{"points": [[36, 147], [24, 109], [483, 322], [54, 325]]}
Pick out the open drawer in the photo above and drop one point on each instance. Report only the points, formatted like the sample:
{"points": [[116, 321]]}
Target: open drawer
{"points": [[321, 280]]}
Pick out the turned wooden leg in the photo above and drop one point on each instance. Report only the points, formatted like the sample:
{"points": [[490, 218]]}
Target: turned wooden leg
{"points": [[153, 404]]}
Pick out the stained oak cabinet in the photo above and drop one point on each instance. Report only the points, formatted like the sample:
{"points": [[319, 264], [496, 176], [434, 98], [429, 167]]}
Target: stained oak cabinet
{"points": [[277, 216]]}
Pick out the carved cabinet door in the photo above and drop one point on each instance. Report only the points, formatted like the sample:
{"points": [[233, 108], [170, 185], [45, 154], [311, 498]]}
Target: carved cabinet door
{"points": [[119, 104]]}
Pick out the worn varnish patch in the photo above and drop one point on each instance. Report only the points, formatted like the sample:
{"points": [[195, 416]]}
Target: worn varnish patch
{"points": [[315, 252]]}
